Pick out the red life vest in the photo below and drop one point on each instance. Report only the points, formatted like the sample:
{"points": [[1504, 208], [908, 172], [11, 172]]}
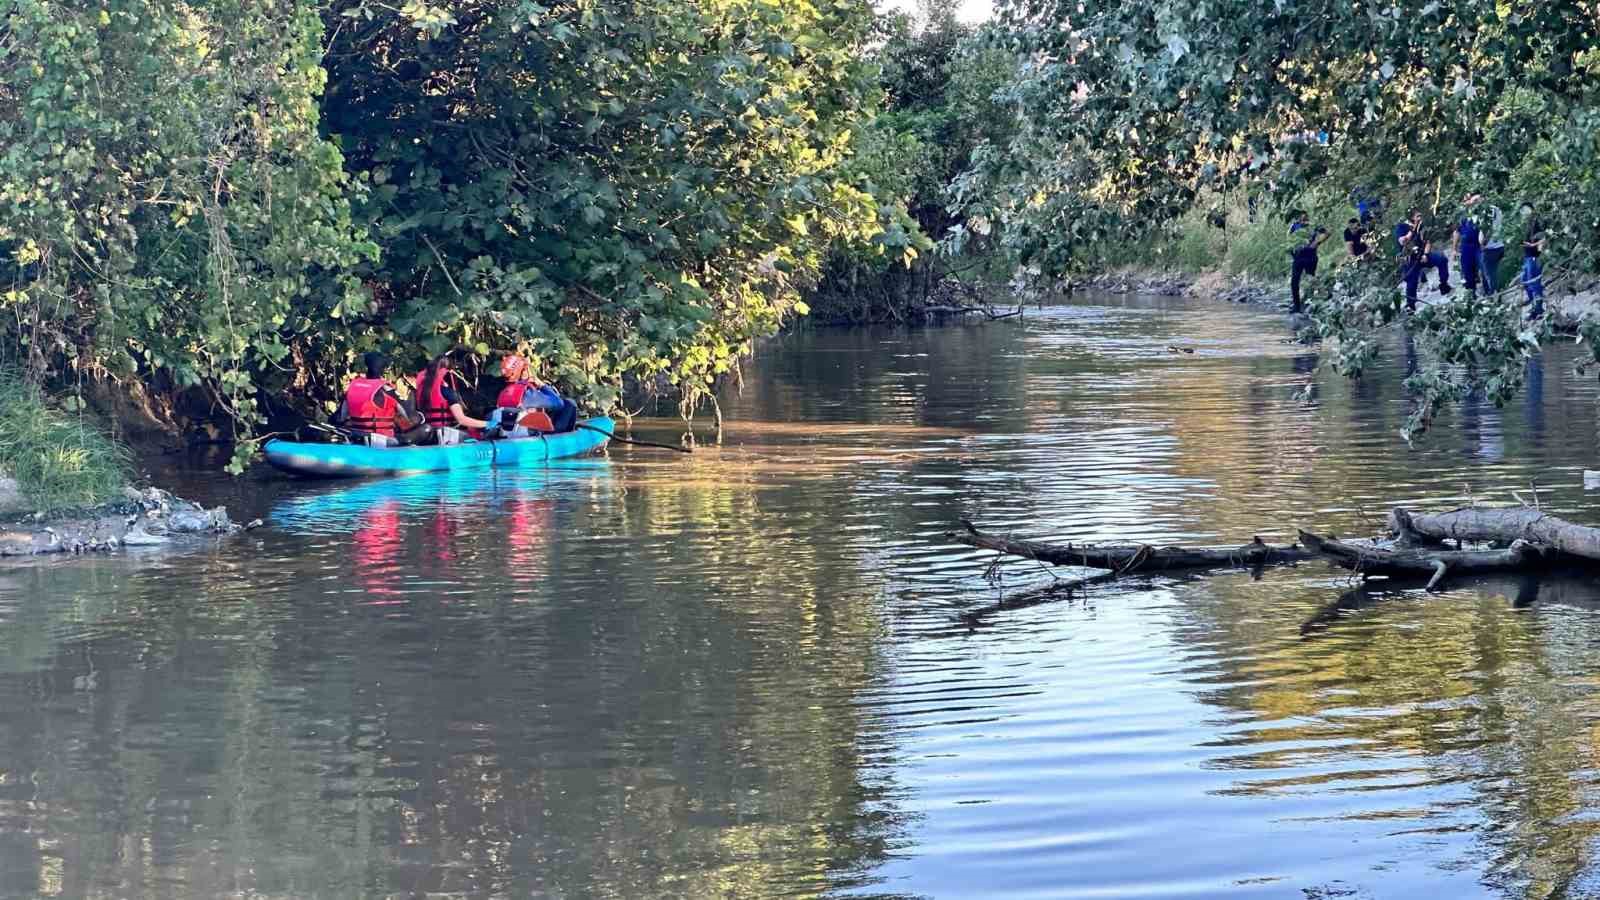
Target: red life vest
{"points": [[369, 409], [433, 407], [511, 395], [532, 419]]}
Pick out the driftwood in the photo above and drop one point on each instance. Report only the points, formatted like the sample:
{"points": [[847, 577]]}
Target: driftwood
{"points": [[1534, 548], [1499, 526], [986, 311], [1129, 558], [1368, 560]]}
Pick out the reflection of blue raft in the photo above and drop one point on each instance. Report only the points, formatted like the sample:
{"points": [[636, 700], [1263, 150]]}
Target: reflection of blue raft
{"points": [[343, 508], [358, 459]]}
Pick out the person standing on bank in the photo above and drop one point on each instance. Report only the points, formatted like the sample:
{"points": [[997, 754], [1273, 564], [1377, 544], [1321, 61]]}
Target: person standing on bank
{"points": [[1355, 238], [1532, 272], [1494, 247], [1368, 206], [1467, 244], [1416, 254], [1303, 256]]}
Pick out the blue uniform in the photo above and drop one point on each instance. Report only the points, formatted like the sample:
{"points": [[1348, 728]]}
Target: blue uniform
{"points": [[1471, 246], [563, 412]]}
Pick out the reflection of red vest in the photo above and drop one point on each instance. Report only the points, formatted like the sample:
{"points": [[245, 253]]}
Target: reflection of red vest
{"points": [[368, 408], [433, 407], [532, 419]]}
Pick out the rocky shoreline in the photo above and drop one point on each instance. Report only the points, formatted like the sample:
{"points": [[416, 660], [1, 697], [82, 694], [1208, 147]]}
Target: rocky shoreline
{"points": [[144, 518]]}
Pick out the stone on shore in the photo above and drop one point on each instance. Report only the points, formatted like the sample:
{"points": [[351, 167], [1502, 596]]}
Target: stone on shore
{"points": [[145, 518]]}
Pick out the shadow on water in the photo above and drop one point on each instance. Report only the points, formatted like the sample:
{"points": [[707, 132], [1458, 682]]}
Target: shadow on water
{"points": [[1577, 588]]}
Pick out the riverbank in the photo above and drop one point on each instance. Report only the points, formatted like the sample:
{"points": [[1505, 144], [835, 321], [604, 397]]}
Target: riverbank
{"points": [[65, 484], [52, 454], [1206, 286], [1569, 308]]}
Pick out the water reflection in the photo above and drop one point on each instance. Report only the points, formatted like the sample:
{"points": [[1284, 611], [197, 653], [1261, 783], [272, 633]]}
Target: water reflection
{"points": [[761, 669], [1533, 390], [421, 698]]}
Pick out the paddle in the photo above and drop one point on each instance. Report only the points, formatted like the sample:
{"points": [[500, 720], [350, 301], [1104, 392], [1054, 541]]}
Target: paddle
{"points": [[636, 443]]}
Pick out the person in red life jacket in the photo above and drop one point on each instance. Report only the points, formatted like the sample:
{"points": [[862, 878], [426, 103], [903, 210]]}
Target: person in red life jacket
{"points": [[438, 402], [526, 391], [370, 403]]}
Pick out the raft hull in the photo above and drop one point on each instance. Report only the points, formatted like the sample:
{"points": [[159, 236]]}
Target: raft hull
{"points": [[359, 460]]}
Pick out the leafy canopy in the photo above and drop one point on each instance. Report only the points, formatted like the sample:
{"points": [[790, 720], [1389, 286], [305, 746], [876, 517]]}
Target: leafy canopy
{"points": [[168, 210], [1133, 113], [237, 198], [629, 188]]}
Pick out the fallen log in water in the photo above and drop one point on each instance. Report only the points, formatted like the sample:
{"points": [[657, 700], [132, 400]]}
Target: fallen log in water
{"points": [[1367, 560], [1540, 545], [1499, 526], [1129, 558], [988, 312]]}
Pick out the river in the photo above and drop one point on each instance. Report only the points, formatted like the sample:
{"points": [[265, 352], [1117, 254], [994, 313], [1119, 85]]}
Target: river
{"points": [[761, 670]]}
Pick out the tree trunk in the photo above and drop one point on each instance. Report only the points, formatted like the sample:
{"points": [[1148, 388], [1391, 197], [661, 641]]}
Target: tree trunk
{"points": [[1376, 561], [1500, 526], [1127, 558]]}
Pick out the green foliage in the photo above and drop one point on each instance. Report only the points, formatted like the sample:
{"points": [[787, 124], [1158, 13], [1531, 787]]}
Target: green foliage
{"points": [[1132, 109], [1133, 114], [1220, 233], [1196, 245], [626, 188], [938, 80], [1479, 343], [167, 207], [56, 457], [1256, 249]]}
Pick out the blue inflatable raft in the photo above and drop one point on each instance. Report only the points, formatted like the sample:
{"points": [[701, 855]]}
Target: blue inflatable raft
{"points": [[349, 460]]}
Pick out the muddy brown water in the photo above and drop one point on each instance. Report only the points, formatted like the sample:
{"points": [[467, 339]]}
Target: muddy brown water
{"points": [[761, 671]]}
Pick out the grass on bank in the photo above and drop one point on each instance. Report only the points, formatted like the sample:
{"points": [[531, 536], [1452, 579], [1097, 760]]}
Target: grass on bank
{"points": [[57, 458], [1253, 245]]}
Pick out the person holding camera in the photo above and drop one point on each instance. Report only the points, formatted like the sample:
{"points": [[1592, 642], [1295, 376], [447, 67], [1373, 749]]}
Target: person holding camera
{"points": [[1304, 241]]}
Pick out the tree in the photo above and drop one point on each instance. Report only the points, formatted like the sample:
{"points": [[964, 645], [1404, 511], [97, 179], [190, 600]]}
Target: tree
{"points": [[938, 80], [627, 188], [168, 210], [1132, 110]]}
